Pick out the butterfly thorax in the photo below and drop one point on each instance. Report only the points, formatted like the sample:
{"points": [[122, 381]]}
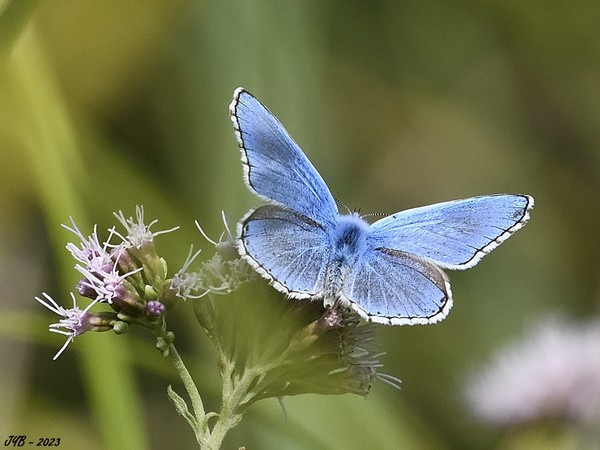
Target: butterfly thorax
{"points": [[349, 237]]}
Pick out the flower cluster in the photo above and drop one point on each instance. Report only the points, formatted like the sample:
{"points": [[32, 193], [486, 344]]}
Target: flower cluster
{"points": [[127, 275]]}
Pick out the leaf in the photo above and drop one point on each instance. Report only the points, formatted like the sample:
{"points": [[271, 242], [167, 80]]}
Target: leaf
{"points": [[181, 407]]}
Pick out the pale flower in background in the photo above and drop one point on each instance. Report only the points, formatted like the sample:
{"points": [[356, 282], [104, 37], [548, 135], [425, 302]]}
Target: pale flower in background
{"points": [[554, 373]]}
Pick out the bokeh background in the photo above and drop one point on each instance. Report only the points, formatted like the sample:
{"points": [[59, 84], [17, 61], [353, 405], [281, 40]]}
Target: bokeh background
{"points": [[108, 104]]}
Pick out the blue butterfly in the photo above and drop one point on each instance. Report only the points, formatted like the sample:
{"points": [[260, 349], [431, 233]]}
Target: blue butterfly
{"points": [[390, 271]]}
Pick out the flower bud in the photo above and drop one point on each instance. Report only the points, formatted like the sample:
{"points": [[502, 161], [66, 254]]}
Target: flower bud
{"points": [[155, 309], [127, 300], [121, 327]]}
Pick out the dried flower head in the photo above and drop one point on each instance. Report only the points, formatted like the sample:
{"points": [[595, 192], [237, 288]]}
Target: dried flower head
{"points": [[221, 274]]}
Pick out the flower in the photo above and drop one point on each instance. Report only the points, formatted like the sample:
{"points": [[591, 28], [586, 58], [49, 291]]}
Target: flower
{"points": [[226, 248], [102, 280], [221, 274], [553, 374], [184, 283], [76, 321], [140, 247], [138, 233], [93, 255], [108, 286]]}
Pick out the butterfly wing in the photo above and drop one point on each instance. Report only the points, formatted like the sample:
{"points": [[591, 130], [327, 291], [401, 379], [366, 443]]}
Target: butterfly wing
{"points": [[288, 249], [396, 288], [454, 234], [274, 166]]}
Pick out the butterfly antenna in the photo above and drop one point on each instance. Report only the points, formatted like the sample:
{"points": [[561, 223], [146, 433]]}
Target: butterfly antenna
{"points": [[376, 214], [344, 205]]}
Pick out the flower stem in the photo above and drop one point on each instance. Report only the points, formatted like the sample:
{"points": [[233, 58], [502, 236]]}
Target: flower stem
{"points": [[201, 428], [234, 395]]}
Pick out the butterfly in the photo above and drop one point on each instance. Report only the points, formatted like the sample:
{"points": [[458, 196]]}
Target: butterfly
{"points": [[390, 271]]}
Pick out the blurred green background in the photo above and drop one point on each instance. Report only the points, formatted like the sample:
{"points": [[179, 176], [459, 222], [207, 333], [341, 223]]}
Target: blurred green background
{"points": [[108, 104]]}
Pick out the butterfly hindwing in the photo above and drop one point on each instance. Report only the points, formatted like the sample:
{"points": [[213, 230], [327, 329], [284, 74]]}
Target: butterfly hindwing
{"points": [[397, 288], [286, 248]]}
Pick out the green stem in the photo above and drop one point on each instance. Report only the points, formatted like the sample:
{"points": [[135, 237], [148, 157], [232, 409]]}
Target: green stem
{"points": [[201, 429], [235, 392]]}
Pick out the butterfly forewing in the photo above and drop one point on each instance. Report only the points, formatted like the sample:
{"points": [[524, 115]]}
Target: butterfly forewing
{"points": [[454, 234], [274, 166]]}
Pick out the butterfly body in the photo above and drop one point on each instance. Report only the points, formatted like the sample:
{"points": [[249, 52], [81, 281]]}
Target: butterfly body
{"points": [[389, 271]]}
